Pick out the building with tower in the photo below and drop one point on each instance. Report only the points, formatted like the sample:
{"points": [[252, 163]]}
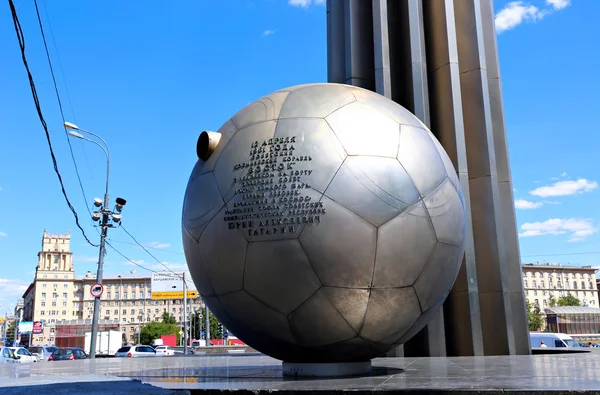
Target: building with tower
{"points": [[60, 299]]}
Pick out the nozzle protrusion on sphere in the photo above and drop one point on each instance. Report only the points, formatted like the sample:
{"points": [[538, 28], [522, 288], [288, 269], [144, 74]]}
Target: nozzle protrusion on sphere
{"points": [[207, 143]]}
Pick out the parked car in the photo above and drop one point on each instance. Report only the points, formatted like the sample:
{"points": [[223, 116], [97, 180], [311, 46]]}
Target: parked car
{"points": [[135, 351], [7, 356], [23, 355], [164, 350], [42, 352], [67, 354]]}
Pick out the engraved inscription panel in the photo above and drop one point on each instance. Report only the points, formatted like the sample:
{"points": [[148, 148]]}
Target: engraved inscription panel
{"points": [[273, 198]]}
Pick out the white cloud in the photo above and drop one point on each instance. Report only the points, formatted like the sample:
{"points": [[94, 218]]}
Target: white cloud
{"points": [[578, 228], [527, 205], [564, 174], [558, 4], [268, 32], [518, 12], [2, 234], [565, 188], [305, 3], [11, 290], [515, 13], [159, 245]]}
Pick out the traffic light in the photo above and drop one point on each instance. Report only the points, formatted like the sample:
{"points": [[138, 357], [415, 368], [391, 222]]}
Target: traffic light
{"points": [[220, 329]]}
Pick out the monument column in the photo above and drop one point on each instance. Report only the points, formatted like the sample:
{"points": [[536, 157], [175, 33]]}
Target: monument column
{"points": [[438, 58]]}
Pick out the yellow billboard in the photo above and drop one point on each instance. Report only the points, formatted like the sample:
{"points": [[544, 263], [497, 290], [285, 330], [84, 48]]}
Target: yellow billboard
{"points": [[174, 295]]}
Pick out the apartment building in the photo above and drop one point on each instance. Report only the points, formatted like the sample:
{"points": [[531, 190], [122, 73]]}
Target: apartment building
{"points": [[58, 296], [543, 280]]}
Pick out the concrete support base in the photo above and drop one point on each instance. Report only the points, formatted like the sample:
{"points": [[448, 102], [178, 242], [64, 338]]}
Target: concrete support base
{"points": [[296, 369]]}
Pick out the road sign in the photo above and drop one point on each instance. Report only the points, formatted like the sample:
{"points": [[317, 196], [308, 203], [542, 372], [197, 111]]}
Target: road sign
{"points": [[167, 285], [96, 290], [38, 327], [226, 334], [181, 333]]}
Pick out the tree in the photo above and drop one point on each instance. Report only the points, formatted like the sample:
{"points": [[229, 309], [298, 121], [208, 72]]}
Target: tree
{"points": [[168, 318], [200, 324], [10, 331], [534, 316], [124, 339], [153, 330], [552, 302], [569, 300]]}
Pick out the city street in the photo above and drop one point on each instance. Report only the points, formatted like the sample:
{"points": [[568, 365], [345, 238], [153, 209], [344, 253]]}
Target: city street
{"points": [[261, 373]]}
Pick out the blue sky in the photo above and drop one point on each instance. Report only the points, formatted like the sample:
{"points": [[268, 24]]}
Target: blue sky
{"points": [[149, 76]]}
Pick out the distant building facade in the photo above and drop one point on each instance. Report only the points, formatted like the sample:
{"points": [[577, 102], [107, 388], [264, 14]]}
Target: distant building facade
{"points": [[56, 296], [542, 281]]}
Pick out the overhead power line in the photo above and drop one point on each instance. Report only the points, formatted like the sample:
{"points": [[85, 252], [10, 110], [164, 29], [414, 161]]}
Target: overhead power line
{"points": [[150, 247], [132, 261], [149, 253], [563, 254], [60, 106], [21, 39]]}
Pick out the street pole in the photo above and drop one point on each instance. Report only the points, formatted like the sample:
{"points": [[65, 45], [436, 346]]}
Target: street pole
{"points": [[105, 218], [185, 334], [5, 326], [207, 337]]}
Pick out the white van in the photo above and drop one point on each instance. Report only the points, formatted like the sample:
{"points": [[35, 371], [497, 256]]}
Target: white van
{"points": [[551, 340]]}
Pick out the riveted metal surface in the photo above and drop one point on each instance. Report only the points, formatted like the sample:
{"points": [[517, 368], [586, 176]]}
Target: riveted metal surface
{"points": [[390, 108], [363, 130], [197, 270], [264, 109], [314, 135], [316, 101], [279, 274], [447, 213], [350, 303], [354, 189], [439, 274], [203, 201], [342, 248], [318, 323], [391, 311], [421, 159], [223, 253], [241, 306], [403, 247]]}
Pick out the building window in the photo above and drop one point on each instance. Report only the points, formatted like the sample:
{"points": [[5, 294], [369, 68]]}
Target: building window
{"points": [[149, 294], [537, 302], [116, 295], [155, 311], [116, 311], [133, 295], [534, 284], [108, 286], [43, 304], [575, 284], [56, 259], [54, 286], [64, 304], [141, 295], [542, 284], [132, 311], [545, 302], [124, 295], [131, 329], [124, 320], [42, 312], [108, 295], [124, 311], [124, 329], [535, 292], [53, 304], [64, 295], [132, 319], [141, 285], [65, 285], [44, 285], [64, 312], [525, 283]]}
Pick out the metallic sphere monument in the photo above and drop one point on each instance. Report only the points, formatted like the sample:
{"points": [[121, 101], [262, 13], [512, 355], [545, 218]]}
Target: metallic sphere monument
{"points": [[323, 223]]}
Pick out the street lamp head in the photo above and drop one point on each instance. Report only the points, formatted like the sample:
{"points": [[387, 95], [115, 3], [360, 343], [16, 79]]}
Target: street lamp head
{"points": [[75, 134], [96, 216], [116, 218], [71, 126], [98, 202]]}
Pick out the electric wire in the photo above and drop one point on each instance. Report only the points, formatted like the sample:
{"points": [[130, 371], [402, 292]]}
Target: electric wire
{"points": [[150, 247], [149, 253], [60, 106], [21, 40], [130, 260]]}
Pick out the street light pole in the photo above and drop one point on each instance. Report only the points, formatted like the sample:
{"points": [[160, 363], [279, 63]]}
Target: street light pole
{"points": [[106, 215], [185, 334]]}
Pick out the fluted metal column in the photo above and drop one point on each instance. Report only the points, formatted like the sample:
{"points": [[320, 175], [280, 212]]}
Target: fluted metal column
{"points": [[463, 323]]}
